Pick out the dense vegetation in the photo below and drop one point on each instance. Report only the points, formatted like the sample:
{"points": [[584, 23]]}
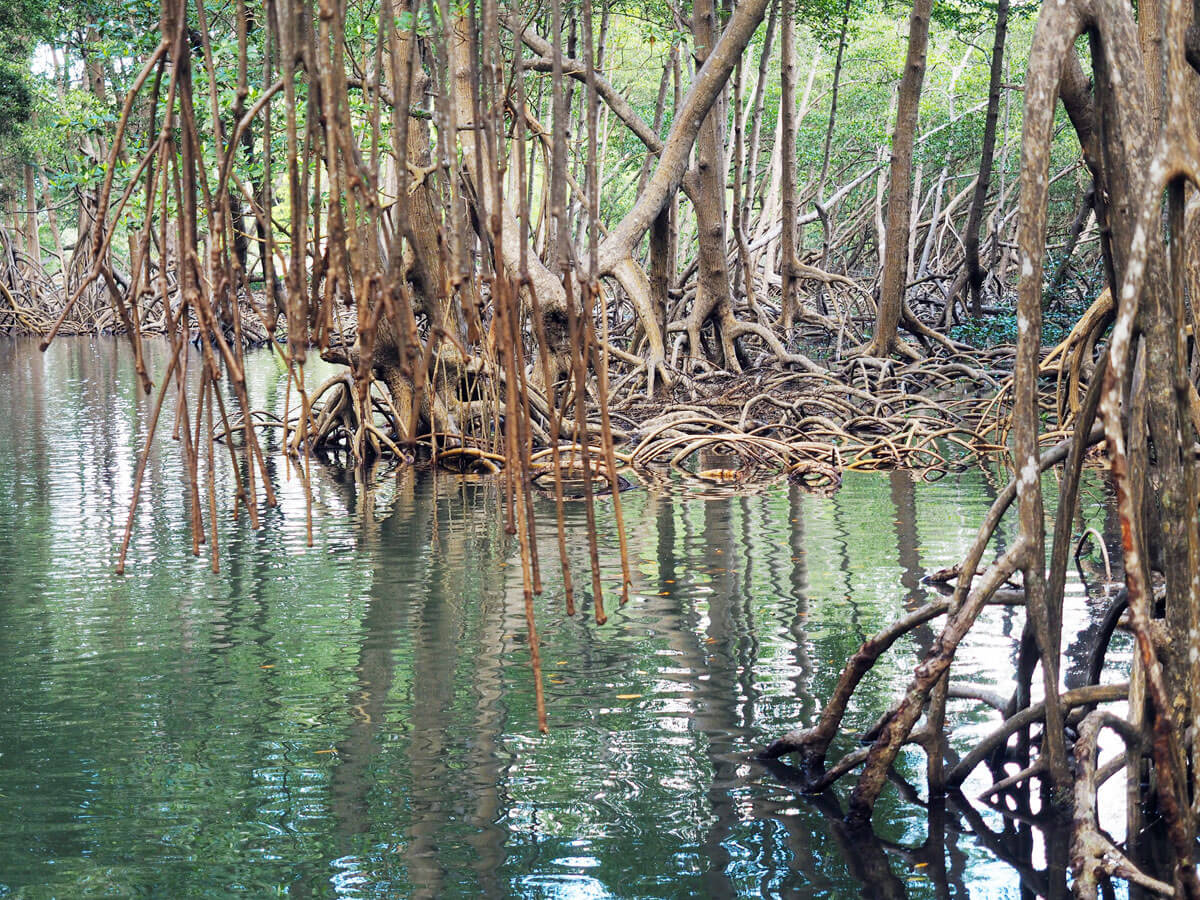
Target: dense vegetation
{"points": [[66, 81]]}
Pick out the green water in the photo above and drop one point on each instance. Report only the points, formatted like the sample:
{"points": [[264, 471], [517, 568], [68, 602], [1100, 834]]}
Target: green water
{"points": [[356, 718]]}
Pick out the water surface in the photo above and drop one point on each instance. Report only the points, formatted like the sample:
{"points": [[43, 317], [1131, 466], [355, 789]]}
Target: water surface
{"points": [[356, 718]]}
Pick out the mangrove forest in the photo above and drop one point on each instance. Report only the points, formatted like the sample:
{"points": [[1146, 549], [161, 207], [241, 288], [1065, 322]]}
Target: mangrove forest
{"points": [[600, 448]]}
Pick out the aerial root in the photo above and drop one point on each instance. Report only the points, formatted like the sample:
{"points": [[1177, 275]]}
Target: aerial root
{"points": [[1094, 857], [809, 426]]}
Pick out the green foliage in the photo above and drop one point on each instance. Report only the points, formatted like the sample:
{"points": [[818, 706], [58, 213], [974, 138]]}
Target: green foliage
{"points": [[976, 15], [51, 116], [16, 99], [1001, 328], [22, 23], [823, 18]]}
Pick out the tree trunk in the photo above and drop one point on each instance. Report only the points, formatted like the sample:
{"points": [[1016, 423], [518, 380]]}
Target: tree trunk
{"points": [[891, 292], [826, 151], [705, 187], [787, 162], [52, 220], [33, 243], [616, 253], [660, 261], [1150, 39], [975, 272], [755, 113]]}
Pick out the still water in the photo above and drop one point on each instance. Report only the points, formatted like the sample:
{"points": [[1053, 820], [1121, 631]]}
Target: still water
{"points": [[356, 718]]}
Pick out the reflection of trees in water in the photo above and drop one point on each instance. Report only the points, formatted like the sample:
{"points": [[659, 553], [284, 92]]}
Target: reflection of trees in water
{"points": [[798, 595], [716, 639], [726, 713], [942, 857], [422, 609], [421, 641], [724, 700], [871, 860], [908, 542]]}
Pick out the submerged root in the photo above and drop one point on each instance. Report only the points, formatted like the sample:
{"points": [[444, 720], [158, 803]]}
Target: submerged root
{"points": [[723, 432]]}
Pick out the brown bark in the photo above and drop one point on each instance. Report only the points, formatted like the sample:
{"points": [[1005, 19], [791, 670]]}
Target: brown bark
{"points": [[705, 188], [1150, 41], [895, 254], [616, 252], [787, 162], [975, 272], [33, 243]]}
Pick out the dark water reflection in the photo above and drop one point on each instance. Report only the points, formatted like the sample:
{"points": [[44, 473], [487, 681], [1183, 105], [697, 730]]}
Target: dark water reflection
{"points": [[356, 719]]}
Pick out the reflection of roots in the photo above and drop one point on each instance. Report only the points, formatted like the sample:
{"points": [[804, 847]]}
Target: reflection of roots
{"points": [[470, 460], [575, 467]]}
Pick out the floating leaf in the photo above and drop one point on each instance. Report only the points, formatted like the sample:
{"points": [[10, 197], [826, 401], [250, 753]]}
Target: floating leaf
{"points": [[628, 696]]}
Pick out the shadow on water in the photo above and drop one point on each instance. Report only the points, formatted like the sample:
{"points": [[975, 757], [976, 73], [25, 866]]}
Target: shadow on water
{"points": [[356, 718]]}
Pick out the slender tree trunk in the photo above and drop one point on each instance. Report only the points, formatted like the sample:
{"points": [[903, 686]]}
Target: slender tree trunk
{"points": [[660, 266], [826, 151], [787, 162], [661, 263], [672, 207], [659, 112], [975, 272], [33, 242], [1082, 217], [705, 187], [833, 102], [755, 112], [737, 222], [1150, 38], [52, 221], [891, 292]]}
